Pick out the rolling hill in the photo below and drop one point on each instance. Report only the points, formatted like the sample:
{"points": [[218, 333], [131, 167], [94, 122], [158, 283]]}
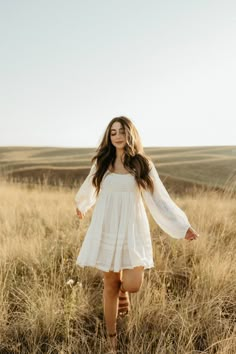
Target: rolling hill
{"points": [[179, 167]]}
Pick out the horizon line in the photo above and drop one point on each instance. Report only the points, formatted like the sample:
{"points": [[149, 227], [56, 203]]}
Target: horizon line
{"points": [[95, 147]]}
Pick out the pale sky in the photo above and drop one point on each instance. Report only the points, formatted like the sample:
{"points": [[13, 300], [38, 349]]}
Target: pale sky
{"points": [[68, 67]]}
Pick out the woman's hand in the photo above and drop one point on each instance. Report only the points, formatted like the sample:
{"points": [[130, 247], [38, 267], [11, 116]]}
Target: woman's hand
{"points": [[191, 234], [80, 215]]}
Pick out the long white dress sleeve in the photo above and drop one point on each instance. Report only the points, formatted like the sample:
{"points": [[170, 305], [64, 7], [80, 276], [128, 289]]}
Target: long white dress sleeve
{"points": [[165, 212], [85, 198]]}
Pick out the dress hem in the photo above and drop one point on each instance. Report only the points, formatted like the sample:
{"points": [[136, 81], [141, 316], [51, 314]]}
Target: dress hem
{"points": [[108, 270]]}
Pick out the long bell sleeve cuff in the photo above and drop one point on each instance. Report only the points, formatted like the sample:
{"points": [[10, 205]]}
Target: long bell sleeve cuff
{"points": [[164, 211], [85, 198]]}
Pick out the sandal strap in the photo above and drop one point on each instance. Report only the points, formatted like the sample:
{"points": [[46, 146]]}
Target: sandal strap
{"points": [[112, 335], [126, 305], [122, 297]]}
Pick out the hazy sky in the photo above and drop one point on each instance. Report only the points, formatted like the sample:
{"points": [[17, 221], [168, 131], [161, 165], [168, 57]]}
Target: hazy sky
{"points": [[68, 67]]}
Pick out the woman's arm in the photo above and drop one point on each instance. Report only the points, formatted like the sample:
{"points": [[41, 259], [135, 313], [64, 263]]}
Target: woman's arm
{"points": [[165, 212], [85, 198]]}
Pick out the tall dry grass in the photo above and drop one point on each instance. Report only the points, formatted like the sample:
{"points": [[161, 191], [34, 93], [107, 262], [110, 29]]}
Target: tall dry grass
{"points": [[187, 303]]}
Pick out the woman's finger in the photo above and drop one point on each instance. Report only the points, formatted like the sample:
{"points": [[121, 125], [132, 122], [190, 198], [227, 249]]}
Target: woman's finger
{"points": [[79, 213]]}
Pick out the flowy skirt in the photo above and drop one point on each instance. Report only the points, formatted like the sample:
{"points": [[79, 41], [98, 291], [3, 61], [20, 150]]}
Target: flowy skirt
{"points": [[118, 236]]}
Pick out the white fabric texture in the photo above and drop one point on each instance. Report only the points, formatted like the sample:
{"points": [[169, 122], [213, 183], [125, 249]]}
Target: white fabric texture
{"points": [[118, 236]]}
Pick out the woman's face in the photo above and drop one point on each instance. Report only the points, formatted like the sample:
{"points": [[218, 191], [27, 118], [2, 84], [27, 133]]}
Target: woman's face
{"points": [[118, 136]]}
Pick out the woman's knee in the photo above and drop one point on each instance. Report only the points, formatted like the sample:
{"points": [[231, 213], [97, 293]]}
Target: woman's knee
{"points": [[111, 282], [132, 287], [133, 278]]}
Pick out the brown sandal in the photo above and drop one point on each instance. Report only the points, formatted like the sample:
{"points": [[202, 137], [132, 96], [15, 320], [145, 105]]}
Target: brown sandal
{"points": [[112, 335], [123, 306]]}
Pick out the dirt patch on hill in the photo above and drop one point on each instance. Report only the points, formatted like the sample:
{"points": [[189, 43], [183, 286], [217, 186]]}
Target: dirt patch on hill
{"points": [[74, 177]]}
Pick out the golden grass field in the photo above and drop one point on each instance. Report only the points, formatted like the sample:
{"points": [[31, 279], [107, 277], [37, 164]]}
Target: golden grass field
{"points": [[187, 303]]}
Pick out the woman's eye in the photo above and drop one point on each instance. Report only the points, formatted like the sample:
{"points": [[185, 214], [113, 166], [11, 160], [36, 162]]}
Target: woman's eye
{"points": [[121, 132]]}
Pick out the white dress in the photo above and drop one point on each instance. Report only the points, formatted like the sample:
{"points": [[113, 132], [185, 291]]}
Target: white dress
{"points": [[118, 236]]}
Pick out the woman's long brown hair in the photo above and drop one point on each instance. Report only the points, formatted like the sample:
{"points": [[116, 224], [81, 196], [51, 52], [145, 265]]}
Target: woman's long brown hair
{"points": [[134, 161]]}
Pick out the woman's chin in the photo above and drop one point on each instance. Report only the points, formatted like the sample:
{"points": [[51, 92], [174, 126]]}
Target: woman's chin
{"points": [[120, 146]]}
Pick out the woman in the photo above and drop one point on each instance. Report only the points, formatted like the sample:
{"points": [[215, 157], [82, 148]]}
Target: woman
{"points": [[118, 240]]}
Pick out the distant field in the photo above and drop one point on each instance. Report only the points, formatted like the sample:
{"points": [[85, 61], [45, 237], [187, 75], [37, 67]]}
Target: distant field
{"points": [[213, 166]]}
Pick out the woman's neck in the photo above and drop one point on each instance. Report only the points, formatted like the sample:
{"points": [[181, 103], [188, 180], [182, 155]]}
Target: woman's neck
{"points": [[119, 155]]}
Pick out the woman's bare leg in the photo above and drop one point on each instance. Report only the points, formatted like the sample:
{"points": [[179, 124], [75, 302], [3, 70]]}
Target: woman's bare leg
{"points": [[110, 301], [132, 279]]}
